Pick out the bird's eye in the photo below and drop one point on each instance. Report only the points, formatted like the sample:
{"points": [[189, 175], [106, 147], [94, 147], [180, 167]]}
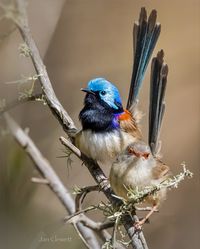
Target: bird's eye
{"points": [[103, 93]]}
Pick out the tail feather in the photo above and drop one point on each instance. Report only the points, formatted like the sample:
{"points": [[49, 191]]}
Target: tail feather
{"points": [[159, 72], [145, 36]]}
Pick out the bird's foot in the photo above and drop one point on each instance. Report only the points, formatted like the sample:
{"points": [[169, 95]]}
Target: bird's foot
{"points": [[104, 184], [138, 225], [145, 209]]}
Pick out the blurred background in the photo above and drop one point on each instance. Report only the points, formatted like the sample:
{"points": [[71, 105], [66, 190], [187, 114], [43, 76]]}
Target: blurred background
{"points": [[80, 40]]}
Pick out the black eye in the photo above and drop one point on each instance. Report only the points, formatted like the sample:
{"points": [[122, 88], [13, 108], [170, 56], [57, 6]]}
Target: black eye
{"points": [[103, 93]]}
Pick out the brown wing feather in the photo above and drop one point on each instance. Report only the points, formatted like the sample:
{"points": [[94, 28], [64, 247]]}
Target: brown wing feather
{"points": [[161, 171], [129, 125]]}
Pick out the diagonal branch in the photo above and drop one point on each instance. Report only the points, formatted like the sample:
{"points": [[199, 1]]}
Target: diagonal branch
{"points": [[137, 237], [51, 99], [54, 182]]}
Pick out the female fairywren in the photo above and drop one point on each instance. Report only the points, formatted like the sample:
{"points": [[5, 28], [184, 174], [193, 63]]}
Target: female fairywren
{"points": [[139, 164], [136, 167]]}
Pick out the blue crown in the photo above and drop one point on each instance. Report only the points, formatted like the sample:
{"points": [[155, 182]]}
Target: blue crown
{"points": [[111, 94]]}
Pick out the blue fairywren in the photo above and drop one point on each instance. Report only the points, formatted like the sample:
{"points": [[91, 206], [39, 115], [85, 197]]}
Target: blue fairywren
{"points": [[108, 128]]}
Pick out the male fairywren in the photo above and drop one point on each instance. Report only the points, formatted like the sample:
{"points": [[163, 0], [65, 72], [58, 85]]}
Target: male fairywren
{"points": [[107, 129]]}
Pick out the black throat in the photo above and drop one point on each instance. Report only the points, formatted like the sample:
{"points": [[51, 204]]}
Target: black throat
{"points": [[98, 116]]}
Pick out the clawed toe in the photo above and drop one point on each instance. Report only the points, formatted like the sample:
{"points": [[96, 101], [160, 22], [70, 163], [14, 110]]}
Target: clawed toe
{"points": [[138, 225]]}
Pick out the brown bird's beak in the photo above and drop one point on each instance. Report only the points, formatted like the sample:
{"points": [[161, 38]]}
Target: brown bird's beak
{"points": [[86, 90]]}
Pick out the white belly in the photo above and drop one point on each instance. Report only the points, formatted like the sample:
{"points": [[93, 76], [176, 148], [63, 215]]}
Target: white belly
{"points": [[103, 146]]}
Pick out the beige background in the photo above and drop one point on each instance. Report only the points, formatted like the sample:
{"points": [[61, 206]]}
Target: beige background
{"points": [[83, 39]]}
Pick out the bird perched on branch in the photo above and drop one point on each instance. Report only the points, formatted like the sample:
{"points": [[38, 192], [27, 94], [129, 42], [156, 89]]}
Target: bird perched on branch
{"points": [[108, 128], [110, 132], [139, 165]]}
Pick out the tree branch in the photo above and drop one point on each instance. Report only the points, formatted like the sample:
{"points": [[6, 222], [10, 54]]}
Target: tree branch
{"points": [[51, 99], [54, 182], [99, 229], [9, 106], [137, 237], [39, 180], [82, 194]]}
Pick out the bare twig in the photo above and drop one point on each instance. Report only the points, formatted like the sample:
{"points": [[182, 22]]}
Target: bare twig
{"points": [[94, 169], [114, 239], [15, 103], [51, 99], [96, 226], [50, 175], [76, 214], [99, 227], [72, 147], [145, 209], [80, 196], [39, 180]]}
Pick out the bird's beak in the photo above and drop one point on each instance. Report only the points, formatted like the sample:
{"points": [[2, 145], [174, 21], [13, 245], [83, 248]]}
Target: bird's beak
{"points": [[87, 91]]}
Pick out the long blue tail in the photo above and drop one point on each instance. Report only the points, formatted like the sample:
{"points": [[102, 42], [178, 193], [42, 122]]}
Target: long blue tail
{"points": [[145, 36], [159, 72]]}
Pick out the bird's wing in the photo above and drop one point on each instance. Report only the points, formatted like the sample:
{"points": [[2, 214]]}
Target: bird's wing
{"points": [[161, 171], [159, 72], [145, 36], [129, 124]]}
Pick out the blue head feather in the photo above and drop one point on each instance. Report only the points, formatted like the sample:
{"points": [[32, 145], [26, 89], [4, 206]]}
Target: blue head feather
{"points": [[107, 91], [102, 106]]}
